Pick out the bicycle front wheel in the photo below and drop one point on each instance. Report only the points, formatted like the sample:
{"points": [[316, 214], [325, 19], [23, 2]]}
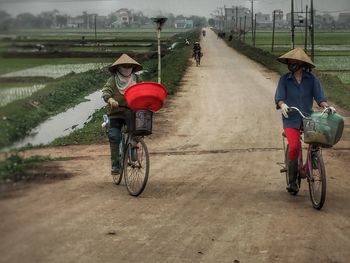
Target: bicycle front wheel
{"points": [[317, 181], [136, 166]]}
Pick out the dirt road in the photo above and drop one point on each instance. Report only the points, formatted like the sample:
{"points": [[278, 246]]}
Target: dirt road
{"points": [[215, 193]]}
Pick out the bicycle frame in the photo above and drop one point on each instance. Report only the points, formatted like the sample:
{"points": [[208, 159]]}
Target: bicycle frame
{"points": [[313, 162], [134, 160], [304, 168], [125, 140]]}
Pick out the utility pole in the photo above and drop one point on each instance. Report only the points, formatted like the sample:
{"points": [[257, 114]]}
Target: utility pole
{"points": [[312, 31], [159, 21], [245, 23], [254, 29], [252, 9], [87, 21], [292, 22], [221, 19], [240, 26], [273, 29], [95, 31], [306, 25], [236, 18]]}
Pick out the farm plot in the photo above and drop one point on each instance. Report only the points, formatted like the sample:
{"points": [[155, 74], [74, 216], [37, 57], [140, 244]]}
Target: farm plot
{"points": [[54, 71], [332, 49], [9, 94], [333, 63]]}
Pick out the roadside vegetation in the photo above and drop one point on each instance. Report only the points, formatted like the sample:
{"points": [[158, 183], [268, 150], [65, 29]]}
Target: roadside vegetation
{"points": [[336, 89], [20, 116], [11, 169], [174, 65]]}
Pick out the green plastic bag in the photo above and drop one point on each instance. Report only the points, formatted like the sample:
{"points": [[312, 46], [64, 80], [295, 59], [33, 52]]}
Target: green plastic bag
{"points": [[323, 129]]}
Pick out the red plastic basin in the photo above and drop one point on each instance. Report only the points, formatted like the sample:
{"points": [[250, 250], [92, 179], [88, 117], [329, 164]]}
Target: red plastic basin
{"points": [[146, 95]]}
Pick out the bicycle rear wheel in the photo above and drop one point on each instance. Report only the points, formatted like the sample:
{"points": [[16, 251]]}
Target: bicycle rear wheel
{"points": [[317, 181], [136, 167]]}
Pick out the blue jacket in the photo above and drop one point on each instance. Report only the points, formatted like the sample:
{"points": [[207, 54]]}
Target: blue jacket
{"points": [[298, 95]]}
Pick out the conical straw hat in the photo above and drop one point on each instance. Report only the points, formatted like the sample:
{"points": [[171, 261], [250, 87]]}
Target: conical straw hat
{"points": [[296, 54], [125, 59]]}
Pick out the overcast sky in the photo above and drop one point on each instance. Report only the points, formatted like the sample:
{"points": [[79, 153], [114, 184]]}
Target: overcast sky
{"points": [[154, 7]]}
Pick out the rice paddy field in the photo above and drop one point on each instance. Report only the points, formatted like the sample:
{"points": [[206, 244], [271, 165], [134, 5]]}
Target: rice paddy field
{"points": [[30, 55], [332, 49], [11, 93]]}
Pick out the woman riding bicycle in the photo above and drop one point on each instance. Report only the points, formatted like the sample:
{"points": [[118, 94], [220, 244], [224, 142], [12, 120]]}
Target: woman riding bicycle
{"points": [[297, 88], [123, 75]]}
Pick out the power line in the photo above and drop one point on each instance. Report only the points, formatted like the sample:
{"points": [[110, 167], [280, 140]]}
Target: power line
{"points": [[338, 11], [48, 1]]}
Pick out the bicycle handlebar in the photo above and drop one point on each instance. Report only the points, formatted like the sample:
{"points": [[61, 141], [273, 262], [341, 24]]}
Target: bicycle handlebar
{"points": [[296, 109], [106, 120], [302, 115]]}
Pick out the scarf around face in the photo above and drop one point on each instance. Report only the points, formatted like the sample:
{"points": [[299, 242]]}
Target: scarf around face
{"points": [[123, 82]]}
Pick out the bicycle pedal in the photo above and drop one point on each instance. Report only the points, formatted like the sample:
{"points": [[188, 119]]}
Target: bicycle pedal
{"points": [[283, 170]]}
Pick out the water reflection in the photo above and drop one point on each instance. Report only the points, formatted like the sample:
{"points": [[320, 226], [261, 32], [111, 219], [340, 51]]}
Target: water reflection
{"points": [[63, 123]]}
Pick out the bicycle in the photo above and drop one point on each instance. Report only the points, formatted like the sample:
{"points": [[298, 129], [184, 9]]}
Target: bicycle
{"points": [[135, 161], [197, 57], [313, 169]]}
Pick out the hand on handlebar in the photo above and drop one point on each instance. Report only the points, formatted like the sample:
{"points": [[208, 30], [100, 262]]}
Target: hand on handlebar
{"points": [[284, 109], [330, 109], [113, 103]]}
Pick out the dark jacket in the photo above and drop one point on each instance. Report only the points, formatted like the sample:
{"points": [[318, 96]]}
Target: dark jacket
{"points": [[110, 90]]}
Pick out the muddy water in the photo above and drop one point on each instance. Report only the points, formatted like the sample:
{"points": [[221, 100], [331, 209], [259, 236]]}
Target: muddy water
{"points": [[63, 123]]}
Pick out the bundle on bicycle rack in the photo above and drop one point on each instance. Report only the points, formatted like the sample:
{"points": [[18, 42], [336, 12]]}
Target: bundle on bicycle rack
{"points": [[144, 98], [324, 129]]}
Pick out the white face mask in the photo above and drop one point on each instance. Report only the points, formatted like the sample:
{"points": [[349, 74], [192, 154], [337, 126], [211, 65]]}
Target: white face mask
{"points": [[126, 72]]}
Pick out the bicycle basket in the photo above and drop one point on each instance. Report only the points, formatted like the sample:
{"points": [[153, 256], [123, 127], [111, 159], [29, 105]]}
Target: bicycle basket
{"points": [[142, 123], [324, 129]]}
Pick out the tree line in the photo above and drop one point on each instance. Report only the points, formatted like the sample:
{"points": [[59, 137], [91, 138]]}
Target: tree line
{"points": [[54, 19]]}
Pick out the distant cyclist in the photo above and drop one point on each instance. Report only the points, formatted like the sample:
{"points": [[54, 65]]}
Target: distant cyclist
{"points": [[197, 52]]}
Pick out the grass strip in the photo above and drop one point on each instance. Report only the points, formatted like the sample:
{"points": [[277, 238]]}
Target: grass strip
{"points": [[11, 169], [19, 117], [335, 89], [174, 65]]}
